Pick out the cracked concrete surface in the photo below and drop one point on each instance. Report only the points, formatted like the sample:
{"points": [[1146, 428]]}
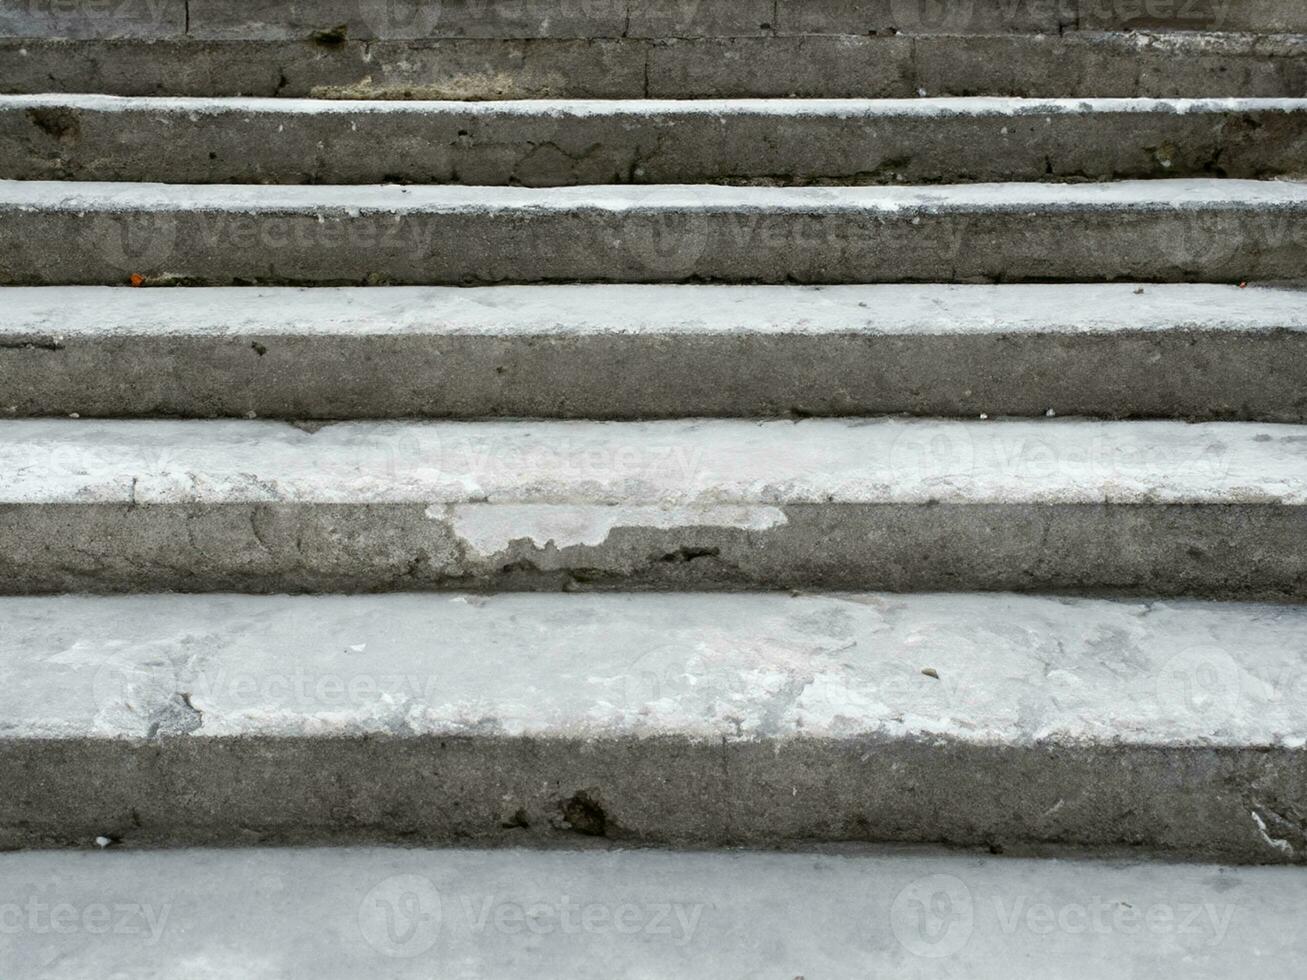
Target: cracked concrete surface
{"points": [[1001, 721], [1211, 509]]}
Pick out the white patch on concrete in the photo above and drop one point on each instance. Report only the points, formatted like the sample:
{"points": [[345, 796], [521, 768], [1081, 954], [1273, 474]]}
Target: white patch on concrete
{"points": [[692, 463], [490, 528], [1276, 842], [339, 201], [869, 109]]}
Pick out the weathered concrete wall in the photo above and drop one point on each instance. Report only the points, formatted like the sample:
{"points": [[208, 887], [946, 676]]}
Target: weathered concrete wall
{"points": [[336, 20], [895, 66]]}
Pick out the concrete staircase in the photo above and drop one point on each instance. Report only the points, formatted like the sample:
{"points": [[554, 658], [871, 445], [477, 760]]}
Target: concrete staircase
{"points": [[798, 425]]}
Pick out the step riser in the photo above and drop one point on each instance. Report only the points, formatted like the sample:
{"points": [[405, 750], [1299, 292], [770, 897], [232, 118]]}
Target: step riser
{"points": [[408, 19], [1208, 375], [1202, 66], [1183, 801], [1218, 243], [480, 144], [1232, 550]]}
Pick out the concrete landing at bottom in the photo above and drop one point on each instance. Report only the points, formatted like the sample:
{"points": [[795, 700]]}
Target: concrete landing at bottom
{"points": [[409, 914]]}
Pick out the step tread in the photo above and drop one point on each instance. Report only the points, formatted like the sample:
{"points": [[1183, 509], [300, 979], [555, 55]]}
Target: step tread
{"points": [[738, 473], [1185, 194], [931, 309], [1013, 670], [410, 914]]}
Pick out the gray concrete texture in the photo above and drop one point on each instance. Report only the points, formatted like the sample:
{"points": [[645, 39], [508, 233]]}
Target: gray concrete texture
{"points": [[336, 20], [1112, 351], [1192, 802], [60, 232], [896, 66], [1161, 508], [1006, 722], [543, 144], [847, 914]]}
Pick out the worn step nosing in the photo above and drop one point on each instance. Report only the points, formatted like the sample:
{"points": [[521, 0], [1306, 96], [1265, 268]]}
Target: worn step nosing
{"points": [[83, 313], [1214, 509], [1188, 194], [728, 462], [874, 710]]}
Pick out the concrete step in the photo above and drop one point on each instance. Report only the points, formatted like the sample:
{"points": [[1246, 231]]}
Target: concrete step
{"points": [[547, 143], [334, 21], [412, 914], [1116, 350], [1014, 723], [61, 232], [1160, 508], [1075, 64]]}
